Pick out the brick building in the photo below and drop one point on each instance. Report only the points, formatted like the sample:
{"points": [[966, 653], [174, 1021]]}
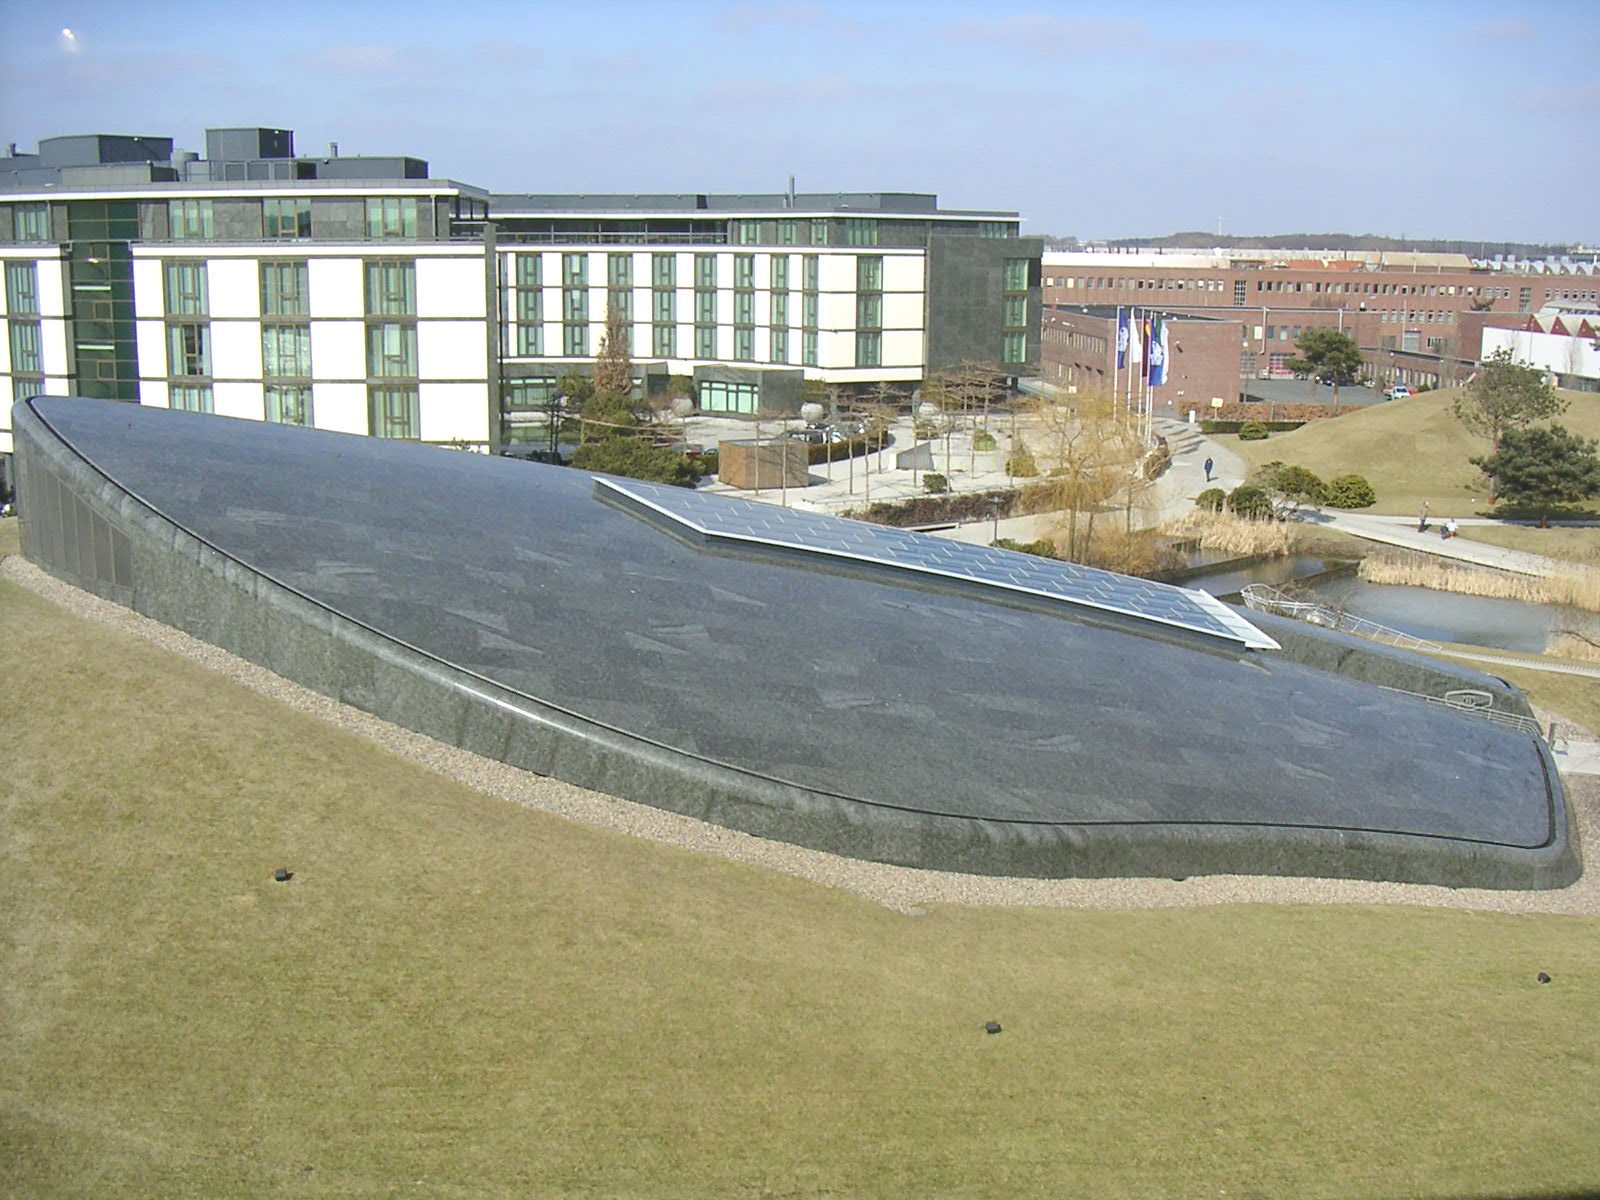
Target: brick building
{"points": [[1077, 347]]}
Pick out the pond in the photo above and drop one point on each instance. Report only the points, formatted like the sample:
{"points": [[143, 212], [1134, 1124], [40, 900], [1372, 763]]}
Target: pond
{"points": [[1445, 616]]}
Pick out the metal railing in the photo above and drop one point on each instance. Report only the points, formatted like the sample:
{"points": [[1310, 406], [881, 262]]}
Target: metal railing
{"points": [[1472, 702], [1260, 597]]}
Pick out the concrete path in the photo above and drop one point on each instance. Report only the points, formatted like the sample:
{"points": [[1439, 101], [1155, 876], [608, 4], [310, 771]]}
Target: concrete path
{"points": [[1576, 758], [1402, 531]]}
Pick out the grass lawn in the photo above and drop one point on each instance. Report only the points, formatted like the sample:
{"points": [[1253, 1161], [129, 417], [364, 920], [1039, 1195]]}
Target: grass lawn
{"points": [[1409, 450], [1578, 545], [1575, 697], [456, 997]]}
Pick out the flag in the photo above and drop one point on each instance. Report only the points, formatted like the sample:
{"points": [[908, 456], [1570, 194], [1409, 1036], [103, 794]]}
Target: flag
{"points": [[1158, 352], [1122, 339], [1136, 343]]}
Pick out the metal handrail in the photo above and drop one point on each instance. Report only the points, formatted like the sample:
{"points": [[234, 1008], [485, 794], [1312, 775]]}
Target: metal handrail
{"points": [[1259, 597], [1472, 702]]}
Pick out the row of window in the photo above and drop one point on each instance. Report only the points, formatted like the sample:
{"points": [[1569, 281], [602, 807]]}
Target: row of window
{"points": [[387, 217], [285, 349], [1241, 286], [392, 412]]}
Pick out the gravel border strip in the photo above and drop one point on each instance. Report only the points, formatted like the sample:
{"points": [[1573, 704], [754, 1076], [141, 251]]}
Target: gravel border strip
{"points": [[903, 889]]}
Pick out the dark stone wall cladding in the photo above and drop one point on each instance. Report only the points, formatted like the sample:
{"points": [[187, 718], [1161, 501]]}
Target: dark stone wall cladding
{"points": [[89, 532]]}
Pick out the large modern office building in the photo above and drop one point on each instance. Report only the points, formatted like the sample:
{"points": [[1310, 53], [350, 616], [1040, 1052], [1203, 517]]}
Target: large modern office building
{"points": [[361, 294]]}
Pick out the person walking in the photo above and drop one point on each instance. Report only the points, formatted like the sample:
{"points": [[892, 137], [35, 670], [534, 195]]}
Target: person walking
{"points": [[1209, 464], [1422, 521]]}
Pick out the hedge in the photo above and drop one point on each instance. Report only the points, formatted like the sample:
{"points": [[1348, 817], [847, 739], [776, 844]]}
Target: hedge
{"points": [[1233, 426]]}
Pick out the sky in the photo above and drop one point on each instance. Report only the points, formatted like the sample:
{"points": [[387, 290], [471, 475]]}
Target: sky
{"points": [[1416, 118]]}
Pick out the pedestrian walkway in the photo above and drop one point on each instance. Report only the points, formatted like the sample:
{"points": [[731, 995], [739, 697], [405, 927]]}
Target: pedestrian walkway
{"points": [[1403, 532]]}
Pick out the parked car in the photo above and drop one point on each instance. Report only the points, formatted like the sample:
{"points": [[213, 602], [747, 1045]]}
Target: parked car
{"points": [[1398, 392]]}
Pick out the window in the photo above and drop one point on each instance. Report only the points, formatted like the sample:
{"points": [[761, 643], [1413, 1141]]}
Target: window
{"points": [[780, 345], [25, 347], [286, 350], [705, 270], [392, 217], [575, 270], [664, 341], [191, 219], [705, 308], [787, 233], [286, 219], [810, 272], [284, 289], [186, 289], [288, 405], [391, 288], [530, 395], [32, 222], [664, 270], [575, 340], [1016, 275], [729, 397], [22, 288], [993, 229], [392, 350], [1014, 312], [620, 302], [744, 270], [860, 231], [819, 231], [25, 389], [574, 304], [869, 312], [530, 338], [749, 232], [392, 412], [705, 341], [780, 272], [744, 308], [808, 310], [869, 348], [190, 398], [619, 270], [744, 344], [1239, 289], [530, 270], [661, 307], [780, 308], [189, 349], [808, 348], [869, 273], [530, 304], [1014, 347]]}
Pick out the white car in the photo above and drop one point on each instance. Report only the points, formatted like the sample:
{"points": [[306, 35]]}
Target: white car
{"points": [[1398, 392]]}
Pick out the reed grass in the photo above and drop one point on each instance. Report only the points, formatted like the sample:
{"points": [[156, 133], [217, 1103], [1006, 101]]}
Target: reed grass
{"points": [[1233, 534], [1576, 587]]}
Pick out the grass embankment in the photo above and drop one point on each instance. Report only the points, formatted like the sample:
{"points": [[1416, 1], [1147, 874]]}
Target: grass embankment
{"points": [[1573, 545], [1574, 697], [458, 997], [1411, 451]]}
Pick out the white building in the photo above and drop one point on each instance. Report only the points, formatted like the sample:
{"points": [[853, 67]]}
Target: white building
{"points": [[359, 295]]}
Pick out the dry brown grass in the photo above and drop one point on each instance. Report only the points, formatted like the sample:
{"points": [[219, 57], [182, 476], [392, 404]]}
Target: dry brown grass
{"points": [[1577, 587], [1233, 534]]}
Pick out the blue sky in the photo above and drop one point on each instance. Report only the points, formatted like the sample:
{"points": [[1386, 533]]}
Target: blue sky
{"points": [[1444, 119]]}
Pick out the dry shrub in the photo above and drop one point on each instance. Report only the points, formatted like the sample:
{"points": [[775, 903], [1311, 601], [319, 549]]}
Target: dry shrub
{"points": [[1234, 534], [1577, 587]]}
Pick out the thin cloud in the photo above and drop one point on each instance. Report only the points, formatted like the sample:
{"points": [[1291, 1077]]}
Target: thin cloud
{"points": [[1199, 51], [763, 93], [1506, 29], [1041, 31], [1578, 96], [783, 14]]}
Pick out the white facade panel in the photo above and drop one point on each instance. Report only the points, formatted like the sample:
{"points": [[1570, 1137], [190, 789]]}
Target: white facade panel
{"points": [[338, 350], [836, 310], [1555, 352], [52, 287], [53, 355], [837, 273], [336, 287], [836, 349], [451, 350], [341, 407], [236, 350], [902, 311], [235, 285], [150, 342], [454, 412], [238, 400], [903, 348], [153, 393], [904, 272], [149, 293], [450, 287]]}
